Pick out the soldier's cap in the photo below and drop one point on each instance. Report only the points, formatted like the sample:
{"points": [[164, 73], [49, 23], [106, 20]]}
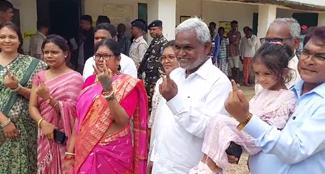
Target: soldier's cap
{"points": [[155, 23], [139, 24]]}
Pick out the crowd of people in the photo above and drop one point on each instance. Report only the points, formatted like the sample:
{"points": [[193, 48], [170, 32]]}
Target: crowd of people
{"points": [[166, 108]]}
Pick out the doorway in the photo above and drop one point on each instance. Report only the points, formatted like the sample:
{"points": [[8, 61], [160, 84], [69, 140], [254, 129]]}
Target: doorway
{"points": [[308, 19], [63, 16]]}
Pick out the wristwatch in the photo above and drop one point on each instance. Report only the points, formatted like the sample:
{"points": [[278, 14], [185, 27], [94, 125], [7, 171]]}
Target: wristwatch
{"points": [[243, 124]]}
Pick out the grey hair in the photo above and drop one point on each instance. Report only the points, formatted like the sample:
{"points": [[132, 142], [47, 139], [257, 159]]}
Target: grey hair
{"points": [[195, 24], [292, 23]]}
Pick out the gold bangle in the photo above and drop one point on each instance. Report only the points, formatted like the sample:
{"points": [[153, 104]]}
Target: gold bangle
{"points": [[39, 122], [243, 124]]}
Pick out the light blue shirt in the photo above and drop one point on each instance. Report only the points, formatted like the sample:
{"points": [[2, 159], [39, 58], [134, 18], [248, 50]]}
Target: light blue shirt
{"points": [[300, 147]]}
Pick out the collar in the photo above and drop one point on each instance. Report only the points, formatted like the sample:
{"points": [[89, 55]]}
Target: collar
{"points": [[319, 90], [203, 71], [138, 39], [42, 35], [159, 37]]}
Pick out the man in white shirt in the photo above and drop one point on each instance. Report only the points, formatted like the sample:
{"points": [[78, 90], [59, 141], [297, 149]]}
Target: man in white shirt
{"points": [[287, 31], [195, 93], [248, 47], [108, 31], [139, 45], [36, 40]]}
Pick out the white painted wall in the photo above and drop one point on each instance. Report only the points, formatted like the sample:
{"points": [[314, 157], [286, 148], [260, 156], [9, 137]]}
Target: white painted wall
{"points": [[314, 2], [28, 17], [213, 11], [321, 19]]}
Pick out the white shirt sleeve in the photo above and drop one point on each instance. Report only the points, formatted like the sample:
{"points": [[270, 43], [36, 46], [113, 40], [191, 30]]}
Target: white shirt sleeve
{"points": [[152, 155], [194, 119], [88, 68], [129, 68]]}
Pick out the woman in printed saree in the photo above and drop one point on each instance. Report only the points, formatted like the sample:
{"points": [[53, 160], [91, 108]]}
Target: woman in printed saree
{"points": [[18, 131], [52, 104], [104, 109]]}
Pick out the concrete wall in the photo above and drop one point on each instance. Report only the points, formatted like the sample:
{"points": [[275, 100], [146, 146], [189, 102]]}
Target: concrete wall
{"points": [[28, 17], [208, 10], [314, 2]]}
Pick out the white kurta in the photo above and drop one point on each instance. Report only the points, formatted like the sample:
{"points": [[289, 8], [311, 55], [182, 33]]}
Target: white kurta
{"points": [[200, 97]]}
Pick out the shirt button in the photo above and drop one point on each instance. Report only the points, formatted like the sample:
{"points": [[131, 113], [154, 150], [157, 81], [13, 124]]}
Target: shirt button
{"points": [[294, 117], [188, 97]]}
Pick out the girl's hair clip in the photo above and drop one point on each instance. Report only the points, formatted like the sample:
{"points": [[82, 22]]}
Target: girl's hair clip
{"points": [[276, 43]]}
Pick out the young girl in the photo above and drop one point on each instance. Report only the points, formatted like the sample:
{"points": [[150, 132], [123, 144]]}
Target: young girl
{"points": [[274, 104]]}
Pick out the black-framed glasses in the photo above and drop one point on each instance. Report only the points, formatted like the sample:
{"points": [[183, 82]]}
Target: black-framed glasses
{"points": [[103, 56], [304, 54], [267, 40]]}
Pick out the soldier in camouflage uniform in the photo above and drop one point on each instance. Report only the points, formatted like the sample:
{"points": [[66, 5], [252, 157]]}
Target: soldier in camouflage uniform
{"points": [[151, 64]]}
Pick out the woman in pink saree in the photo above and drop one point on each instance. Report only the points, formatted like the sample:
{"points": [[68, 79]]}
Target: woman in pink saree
{"points": [[104, 108], [52, 104]]}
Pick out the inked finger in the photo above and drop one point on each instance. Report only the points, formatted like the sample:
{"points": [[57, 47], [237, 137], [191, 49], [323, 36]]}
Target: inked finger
{"points": [[8, 73], [160, 88], [234, 85], [110, 72], [105, 67], [41, 83]]}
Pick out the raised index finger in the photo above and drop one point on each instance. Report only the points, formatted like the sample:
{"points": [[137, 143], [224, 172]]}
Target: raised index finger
{"points": [[105, 67], [8, 73], [234, 86]]}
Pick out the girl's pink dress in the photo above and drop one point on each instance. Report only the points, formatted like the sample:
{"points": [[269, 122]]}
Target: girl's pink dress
{"points": [[273, 107], [64, 88]]}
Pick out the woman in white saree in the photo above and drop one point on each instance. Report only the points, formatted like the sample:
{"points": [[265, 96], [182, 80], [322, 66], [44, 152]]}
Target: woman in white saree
{"points": [[161, 114]]}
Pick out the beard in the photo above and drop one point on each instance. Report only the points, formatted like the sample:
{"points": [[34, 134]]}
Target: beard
{"points": [[187, 63]]}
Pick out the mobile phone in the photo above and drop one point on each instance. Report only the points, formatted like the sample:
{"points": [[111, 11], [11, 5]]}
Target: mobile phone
{"points": [[234, 150], [60, 137]]}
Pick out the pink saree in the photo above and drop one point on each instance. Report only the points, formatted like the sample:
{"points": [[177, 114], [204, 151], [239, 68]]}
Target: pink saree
{"points": [[64, 88], [98, 153]]}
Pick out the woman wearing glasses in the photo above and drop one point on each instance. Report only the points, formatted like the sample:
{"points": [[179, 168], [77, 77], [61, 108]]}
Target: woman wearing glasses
{"points": [[103, 140], [159, 108]]}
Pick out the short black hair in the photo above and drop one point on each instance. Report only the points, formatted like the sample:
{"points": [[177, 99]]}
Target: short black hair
{"points": [[103, 19], [87, 18], [41, 24], [276, 57], [221, 28], [170, 43], [5, 5], [108, 27], [213, 24], [113, 45], [234, 22], [249, 29], [316, 34]]}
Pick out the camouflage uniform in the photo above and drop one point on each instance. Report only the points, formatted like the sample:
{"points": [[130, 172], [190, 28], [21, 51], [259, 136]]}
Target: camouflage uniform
{"points": [[152, 66]]}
